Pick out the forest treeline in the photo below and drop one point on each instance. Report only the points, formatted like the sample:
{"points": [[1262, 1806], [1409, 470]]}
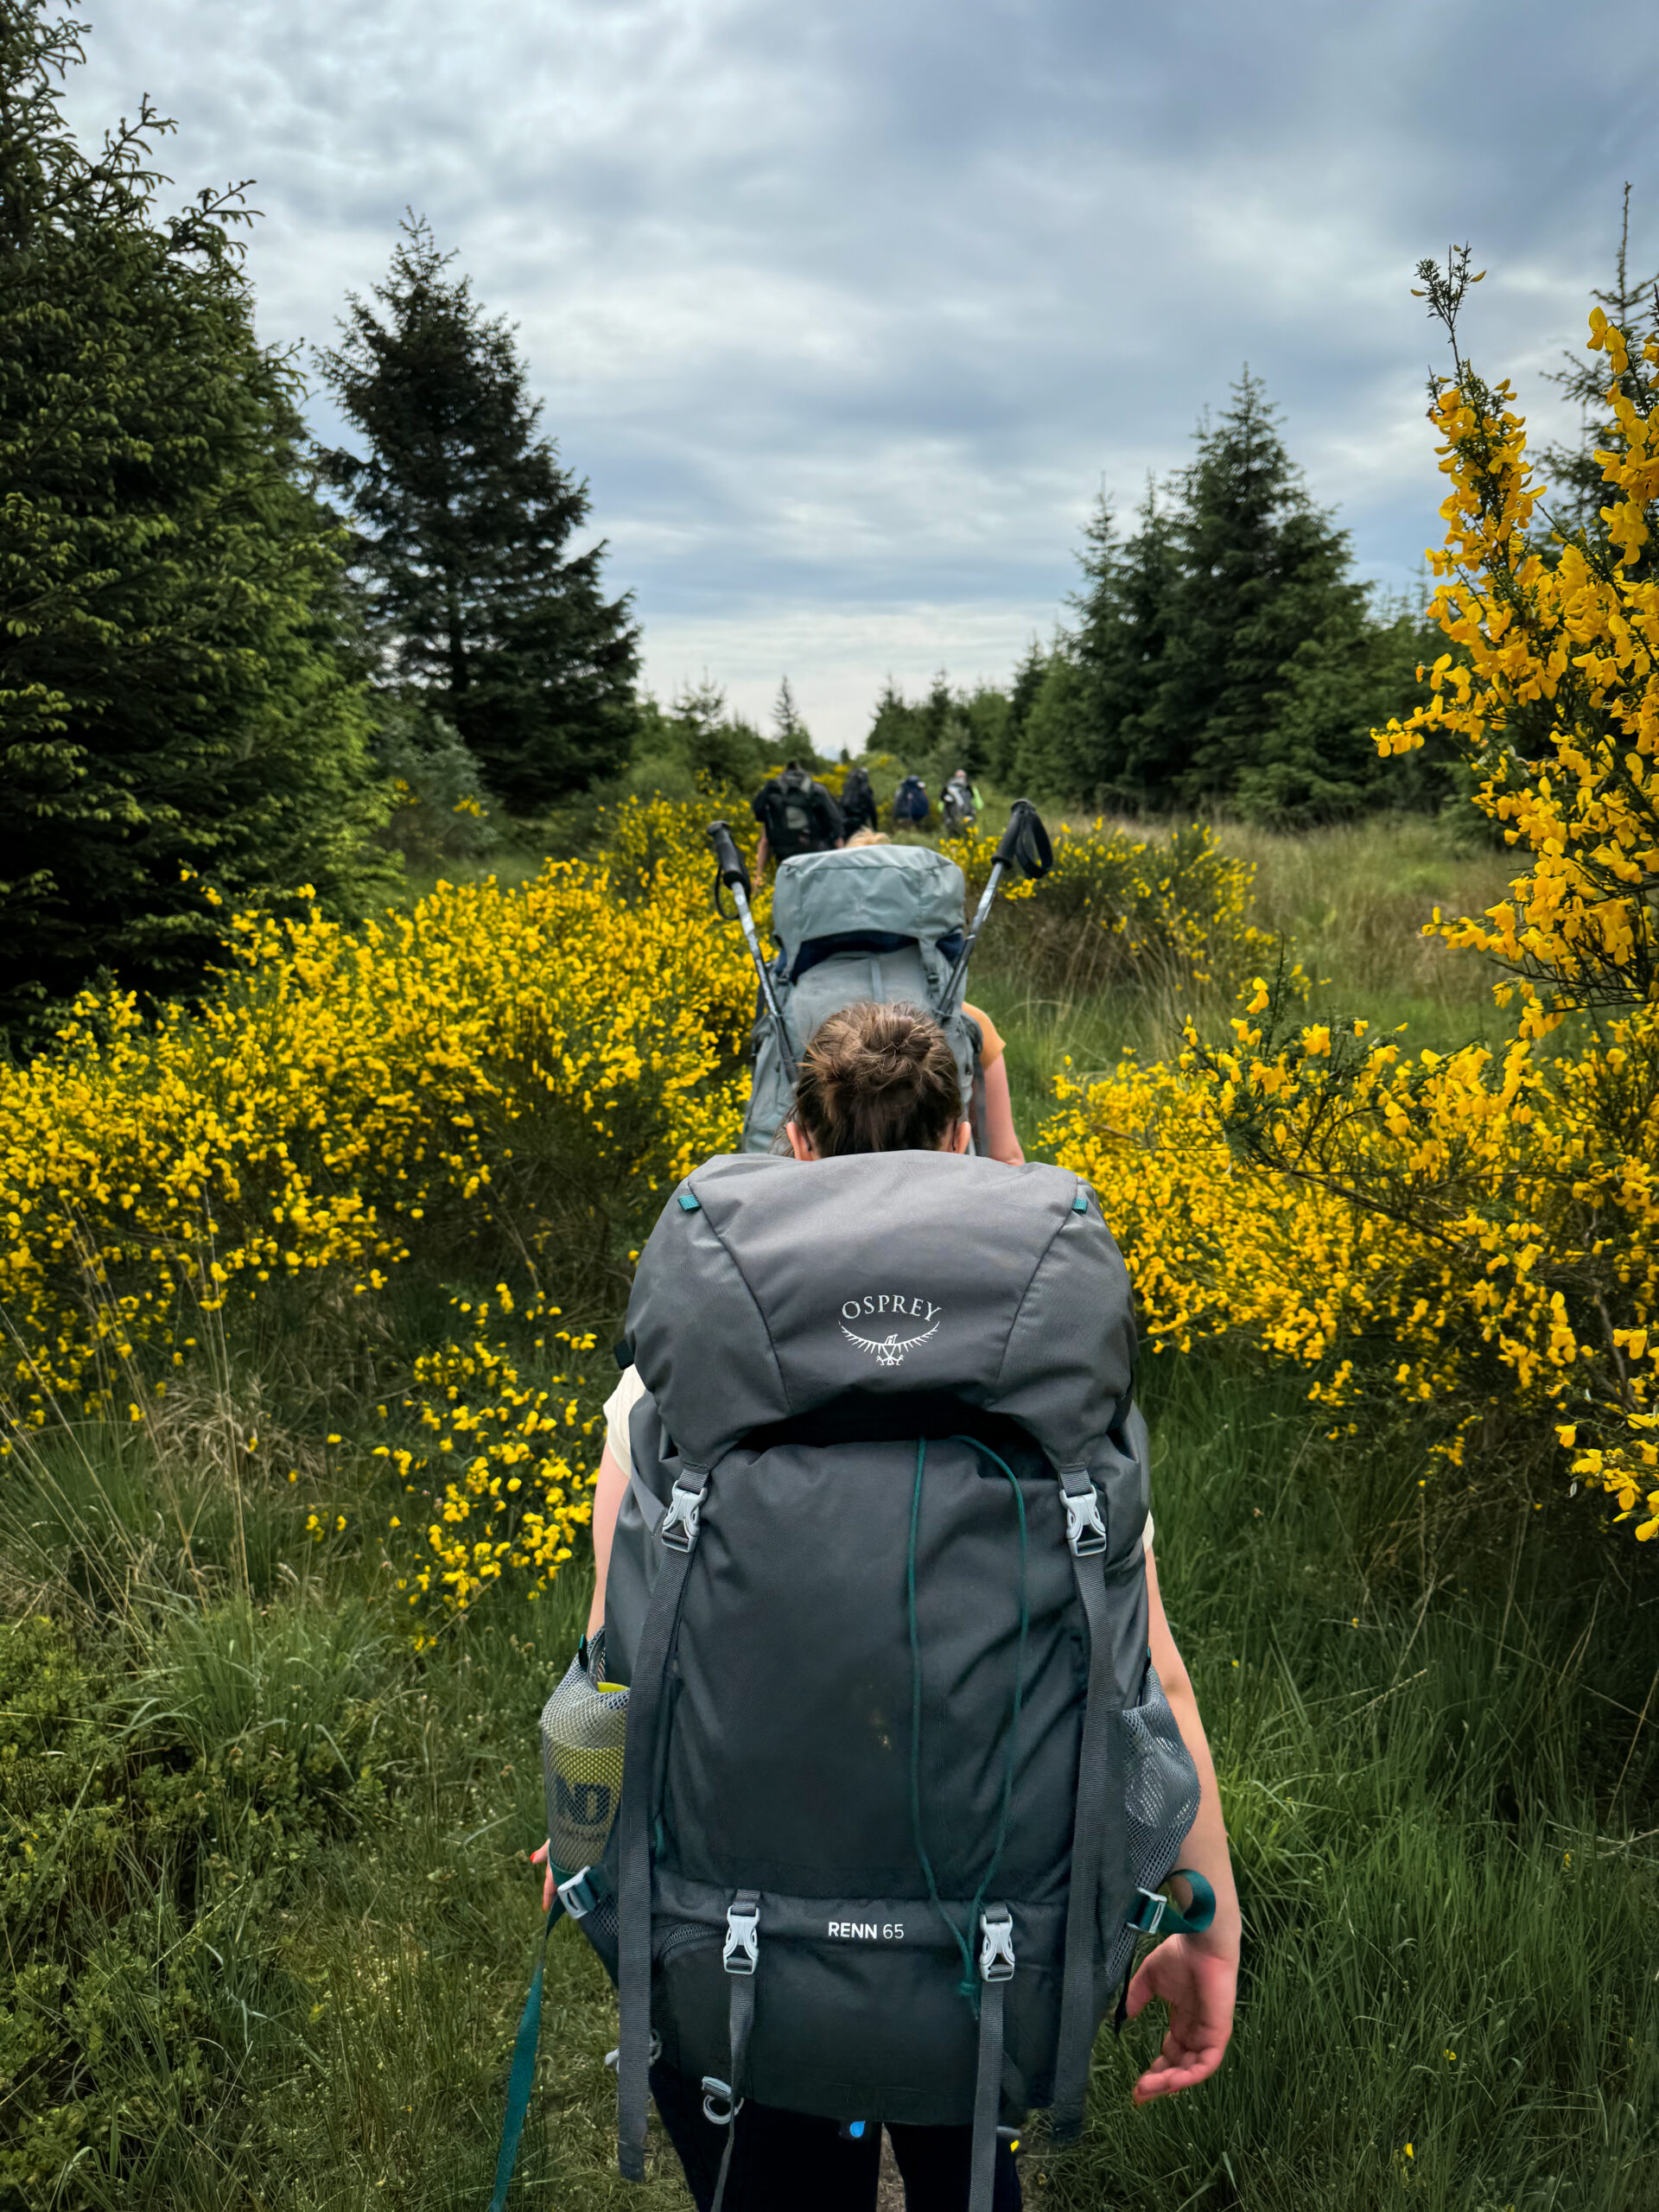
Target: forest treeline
{"points": [[236, 664]]}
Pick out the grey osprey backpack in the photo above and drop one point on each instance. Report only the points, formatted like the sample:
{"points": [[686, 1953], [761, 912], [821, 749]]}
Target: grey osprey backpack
{"points": [[900, 1787], [880, 922]]}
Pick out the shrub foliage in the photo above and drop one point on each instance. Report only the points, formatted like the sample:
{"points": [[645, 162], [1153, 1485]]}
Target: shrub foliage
{"points": [[1476, 1234]]}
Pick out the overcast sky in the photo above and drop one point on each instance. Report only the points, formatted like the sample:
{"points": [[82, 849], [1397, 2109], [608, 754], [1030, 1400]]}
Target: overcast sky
{"points": [[848, 309]]}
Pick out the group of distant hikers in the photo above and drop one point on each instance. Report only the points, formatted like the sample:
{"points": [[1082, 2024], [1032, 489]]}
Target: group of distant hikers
{"points": [[798, 815], [878, 1760]]}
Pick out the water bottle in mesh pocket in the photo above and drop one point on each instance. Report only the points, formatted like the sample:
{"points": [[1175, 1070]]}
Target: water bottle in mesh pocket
{"points": [[584, 1728], [1160, 1787]]}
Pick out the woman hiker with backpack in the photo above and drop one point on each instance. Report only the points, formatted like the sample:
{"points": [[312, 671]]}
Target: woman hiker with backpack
{"points": [[881, 1079]]}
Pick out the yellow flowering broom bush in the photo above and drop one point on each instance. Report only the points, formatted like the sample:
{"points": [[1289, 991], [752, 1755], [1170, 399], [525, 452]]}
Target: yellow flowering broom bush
{"points": [[1172, 907], [503, 1070], [1477, 1233]]}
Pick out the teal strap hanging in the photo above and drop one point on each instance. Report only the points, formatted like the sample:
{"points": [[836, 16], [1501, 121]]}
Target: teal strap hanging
{"points": [[521, 2079], [1156, 1915], [576, 1897]]}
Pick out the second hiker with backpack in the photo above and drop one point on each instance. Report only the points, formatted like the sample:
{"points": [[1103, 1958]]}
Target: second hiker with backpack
{"points": [[857, 801], [797, 815], [910, 1751]]}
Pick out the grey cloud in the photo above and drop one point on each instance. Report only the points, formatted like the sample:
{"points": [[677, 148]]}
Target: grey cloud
{"points": [[847, 311]]}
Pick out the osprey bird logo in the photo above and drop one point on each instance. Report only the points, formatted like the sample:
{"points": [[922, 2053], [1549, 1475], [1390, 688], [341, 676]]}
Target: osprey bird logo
{"points": [[890, 1349]]}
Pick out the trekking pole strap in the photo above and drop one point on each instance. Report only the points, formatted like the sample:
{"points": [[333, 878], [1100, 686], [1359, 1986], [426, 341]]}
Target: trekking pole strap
{"points": [[633, 1823], [995, 1972]]}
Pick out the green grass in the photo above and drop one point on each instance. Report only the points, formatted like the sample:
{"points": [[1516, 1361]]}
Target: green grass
{"points": [[263, 1886]]}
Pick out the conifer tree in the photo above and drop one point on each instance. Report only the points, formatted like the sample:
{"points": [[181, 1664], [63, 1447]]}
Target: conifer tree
{"points": [[1002, 764], [790, 731], [464, 518], [171, 695], [1125, 614], [1263, 573]]}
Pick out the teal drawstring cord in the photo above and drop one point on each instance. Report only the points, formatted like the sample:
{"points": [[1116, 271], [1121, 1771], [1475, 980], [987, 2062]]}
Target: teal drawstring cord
{"points": [[969, 1983]]}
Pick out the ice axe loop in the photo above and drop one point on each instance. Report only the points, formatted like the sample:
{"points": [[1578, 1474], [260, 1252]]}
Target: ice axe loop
{"points": [[735, 877], [1025, 844]]}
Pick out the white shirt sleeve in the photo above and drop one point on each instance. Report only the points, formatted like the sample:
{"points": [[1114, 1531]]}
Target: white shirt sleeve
{"points": [[618, 1407]]}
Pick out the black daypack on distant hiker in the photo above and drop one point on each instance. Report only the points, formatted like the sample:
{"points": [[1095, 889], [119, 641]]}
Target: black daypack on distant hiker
{"points": [[900, 1787], [798, 815], [857, 801], [910, 803], [876, 922]]}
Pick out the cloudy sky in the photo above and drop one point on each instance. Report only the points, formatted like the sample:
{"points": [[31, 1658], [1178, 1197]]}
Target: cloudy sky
{"points": [[848, 309]]}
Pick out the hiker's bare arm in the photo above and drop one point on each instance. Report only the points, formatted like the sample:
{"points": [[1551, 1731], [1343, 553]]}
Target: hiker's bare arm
{"points": [[1197, 1976], [761, 855], [607, 1502], [1002, 1140]]}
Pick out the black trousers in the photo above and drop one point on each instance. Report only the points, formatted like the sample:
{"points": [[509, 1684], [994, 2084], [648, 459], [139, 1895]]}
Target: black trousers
{"points": [[791, 2162]]}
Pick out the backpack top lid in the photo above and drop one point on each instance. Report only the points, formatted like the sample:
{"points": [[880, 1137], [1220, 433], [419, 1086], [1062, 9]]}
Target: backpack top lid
{"points": [[902, 890], [771, 1286]]}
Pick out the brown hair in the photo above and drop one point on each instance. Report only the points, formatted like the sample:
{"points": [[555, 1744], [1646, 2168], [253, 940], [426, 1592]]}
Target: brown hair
{"points": [[877, 1079]]}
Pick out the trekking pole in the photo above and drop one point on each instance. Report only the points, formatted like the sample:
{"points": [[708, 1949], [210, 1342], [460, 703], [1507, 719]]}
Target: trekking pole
{"points": [[735, 876], [1025, 845]]}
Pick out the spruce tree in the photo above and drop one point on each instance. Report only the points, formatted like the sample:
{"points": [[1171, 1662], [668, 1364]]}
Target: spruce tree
{"points": [[897, 727], [790, 731], [1002, 765], [1263, 572], [1125, 612], [172, 699], [1059, 740], [464, 518]]}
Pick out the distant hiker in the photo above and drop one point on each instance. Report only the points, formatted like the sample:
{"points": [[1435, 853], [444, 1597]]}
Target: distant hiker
{"points": [[911, 1750], [797, 815], [857, 801], [959, 804], [910, 805]]}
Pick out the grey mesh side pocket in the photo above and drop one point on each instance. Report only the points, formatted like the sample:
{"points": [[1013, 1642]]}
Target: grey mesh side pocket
{"points": [[584, 1729], [1160, 1787]]}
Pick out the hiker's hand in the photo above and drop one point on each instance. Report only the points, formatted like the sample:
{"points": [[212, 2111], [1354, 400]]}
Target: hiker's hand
{"points": [[539, 1859], [1198, 1981]]}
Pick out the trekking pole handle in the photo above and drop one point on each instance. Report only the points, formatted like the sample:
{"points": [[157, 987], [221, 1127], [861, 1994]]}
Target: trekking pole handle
{"points": [[728, 859]]}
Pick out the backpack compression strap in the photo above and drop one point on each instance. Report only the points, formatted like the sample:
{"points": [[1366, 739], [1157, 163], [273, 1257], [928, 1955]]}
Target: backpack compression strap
{"points": [[1100, 1835], [679, 1534], [995, 1972]]}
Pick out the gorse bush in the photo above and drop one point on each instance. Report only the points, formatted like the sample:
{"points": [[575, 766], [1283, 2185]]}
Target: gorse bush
{"points": [[1474, 1234], [505, 1076], [1117, 906], [496, 1087]]}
